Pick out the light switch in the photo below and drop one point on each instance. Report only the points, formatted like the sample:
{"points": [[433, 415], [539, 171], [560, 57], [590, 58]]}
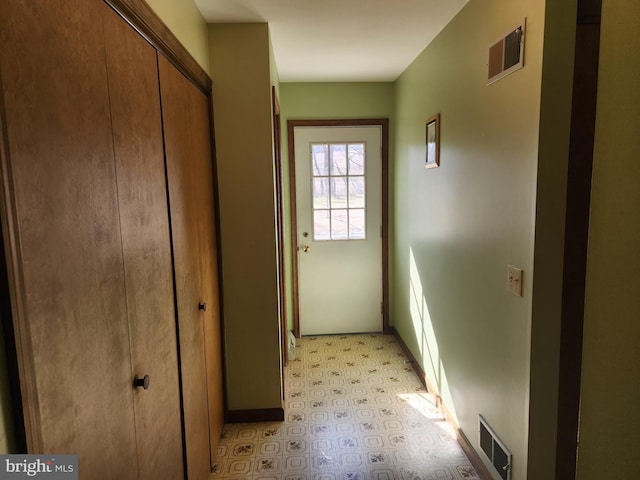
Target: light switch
{"points": [[514, 280]]}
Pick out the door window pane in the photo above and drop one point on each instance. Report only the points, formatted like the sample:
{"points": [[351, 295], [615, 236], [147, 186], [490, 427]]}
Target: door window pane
{"points": [[321, 225], [321, 192], [339, 191], [319, 160], [356, 224], [356, 159], [339, 225], [338, 159], [356, 192]]}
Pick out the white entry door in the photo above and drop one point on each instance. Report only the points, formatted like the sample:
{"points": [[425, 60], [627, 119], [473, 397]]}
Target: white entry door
{"points": [[339, 220]]}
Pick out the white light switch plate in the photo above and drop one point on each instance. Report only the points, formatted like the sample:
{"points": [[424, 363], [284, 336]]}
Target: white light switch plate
{"points": [[514, 280]]}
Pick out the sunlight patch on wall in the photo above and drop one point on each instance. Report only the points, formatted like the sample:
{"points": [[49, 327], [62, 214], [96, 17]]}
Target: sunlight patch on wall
{"points": [[418, 307], [425, 335]]}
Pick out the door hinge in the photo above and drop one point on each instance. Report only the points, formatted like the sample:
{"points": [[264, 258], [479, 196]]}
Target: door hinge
{"points": [[381, 232], [382, 307]]}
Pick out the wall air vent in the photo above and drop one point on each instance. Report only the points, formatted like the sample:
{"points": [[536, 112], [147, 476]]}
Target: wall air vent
{"points": [[506, 55], [495, 450]]}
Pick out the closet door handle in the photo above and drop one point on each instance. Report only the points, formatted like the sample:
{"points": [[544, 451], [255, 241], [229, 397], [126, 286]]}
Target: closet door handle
{"points": [[141, 382], [202, 306]]}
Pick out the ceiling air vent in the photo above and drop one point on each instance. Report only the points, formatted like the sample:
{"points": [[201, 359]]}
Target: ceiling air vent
{"points": [[506, 55], [495, 450]]}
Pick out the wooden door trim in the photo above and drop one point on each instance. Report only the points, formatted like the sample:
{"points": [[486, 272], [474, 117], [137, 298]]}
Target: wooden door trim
{"points": [[362, 122], [277, 155], [578, 203], [148, 24]]}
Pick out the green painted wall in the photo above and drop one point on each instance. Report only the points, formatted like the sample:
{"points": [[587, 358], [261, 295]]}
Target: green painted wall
{"points": [[244, 153], [457, 227], [337, 100], [186, 22], [610, 418], [328, 101]]}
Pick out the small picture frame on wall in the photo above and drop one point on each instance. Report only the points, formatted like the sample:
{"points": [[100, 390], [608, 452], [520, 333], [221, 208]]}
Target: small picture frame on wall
{"points": [[433, 142]]}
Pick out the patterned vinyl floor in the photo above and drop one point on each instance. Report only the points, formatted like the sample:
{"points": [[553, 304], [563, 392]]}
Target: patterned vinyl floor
{"points": [[355, 410]]}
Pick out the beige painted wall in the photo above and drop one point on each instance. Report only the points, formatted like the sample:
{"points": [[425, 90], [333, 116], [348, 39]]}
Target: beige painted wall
{"points": [[327, 101], [457, 227], [610, 418], [273, 68], [275, 82], [186, 22], [244, 151]]}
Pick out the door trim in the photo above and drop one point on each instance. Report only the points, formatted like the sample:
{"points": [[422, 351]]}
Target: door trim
{"points": [[282, 292], [364, 122], [578, 204]]}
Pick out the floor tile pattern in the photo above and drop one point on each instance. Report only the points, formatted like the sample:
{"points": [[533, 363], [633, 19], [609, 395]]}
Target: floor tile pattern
{"points": [[355, 410]]}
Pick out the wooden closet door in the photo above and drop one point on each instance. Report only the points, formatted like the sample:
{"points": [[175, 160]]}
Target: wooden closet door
{"points": [[182, 175], [199, 104], [146, 246], [71, 322]]}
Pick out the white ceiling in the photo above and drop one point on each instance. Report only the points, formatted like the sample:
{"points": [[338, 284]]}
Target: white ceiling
{"points": [[340, 40]]}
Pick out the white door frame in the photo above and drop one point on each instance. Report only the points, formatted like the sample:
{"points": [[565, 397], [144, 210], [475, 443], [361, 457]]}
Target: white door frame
{"points": [[384, 124]]}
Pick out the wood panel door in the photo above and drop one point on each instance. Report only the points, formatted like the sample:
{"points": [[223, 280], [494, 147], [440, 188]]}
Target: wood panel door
{"points": [[146, 247], [66, 255], [201, 131], [183, 172]]}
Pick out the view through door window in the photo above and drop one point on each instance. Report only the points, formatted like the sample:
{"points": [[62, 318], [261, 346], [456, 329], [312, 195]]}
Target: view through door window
{"points": [[338, 176]]}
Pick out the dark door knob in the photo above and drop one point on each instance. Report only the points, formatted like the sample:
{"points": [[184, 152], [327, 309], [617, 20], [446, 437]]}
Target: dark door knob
{"points": [[202, 306], [142, 382]]}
